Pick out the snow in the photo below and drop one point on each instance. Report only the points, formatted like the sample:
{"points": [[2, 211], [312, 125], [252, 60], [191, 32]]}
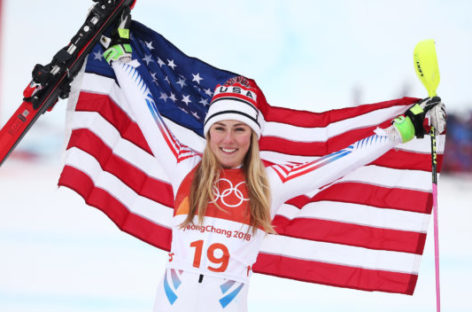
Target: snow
{"points": [[57, 254]]}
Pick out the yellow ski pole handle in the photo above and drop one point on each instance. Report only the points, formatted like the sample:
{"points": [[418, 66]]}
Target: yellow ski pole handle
{"points": [[426, 65]]}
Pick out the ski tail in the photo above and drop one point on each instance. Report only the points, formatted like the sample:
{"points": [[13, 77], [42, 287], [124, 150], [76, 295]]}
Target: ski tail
{"points": [[52, 81]]}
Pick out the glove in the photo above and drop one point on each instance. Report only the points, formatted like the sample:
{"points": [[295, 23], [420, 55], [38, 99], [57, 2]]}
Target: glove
{"points": [[118, 52], [420, 118], [118, 47]]}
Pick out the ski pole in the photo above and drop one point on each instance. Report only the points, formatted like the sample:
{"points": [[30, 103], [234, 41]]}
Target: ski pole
{"points": [[427, 70]]}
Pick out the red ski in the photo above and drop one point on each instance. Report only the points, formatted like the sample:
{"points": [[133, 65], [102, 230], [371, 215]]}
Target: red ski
{"points": [[53, 80]]}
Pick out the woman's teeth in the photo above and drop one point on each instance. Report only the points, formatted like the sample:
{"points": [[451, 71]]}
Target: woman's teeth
{"points": [[228, 150]]}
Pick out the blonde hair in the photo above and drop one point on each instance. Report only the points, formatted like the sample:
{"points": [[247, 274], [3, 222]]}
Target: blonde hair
{"points": [[206, 175]]}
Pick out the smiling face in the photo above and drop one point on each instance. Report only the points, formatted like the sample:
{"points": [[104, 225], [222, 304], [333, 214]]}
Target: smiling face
{"points": [[229, 141]]}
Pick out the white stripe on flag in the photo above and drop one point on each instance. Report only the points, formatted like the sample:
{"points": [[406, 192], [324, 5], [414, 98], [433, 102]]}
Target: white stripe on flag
{"points": [[285, 159], [139, 205], [391, 178], [423, 146], [360, 215], [121, 147], [321, 134], [303, 249]]}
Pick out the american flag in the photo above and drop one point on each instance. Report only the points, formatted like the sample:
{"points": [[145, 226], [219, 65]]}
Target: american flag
{"points": [[365, 231]]}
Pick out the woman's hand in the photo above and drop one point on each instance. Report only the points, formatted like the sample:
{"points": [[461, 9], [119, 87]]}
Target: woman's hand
{"points": [[433, 115], [420, 118]]}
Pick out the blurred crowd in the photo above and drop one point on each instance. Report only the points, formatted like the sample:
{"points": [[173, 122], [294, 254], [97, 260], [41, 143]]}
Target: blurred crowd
{"points": [[458, 150]]}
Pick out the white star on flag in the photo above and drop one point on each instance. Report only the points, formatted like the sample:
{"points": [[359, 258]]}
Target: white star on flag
{"points": [[97, 56], [167, 79], [208, 92], [197, 78], [164, 96], [160, 62], [172, 97], [147, 59], [186, 99], [154, 78], [203, 101], [171, 64], [149, 45], [181, 82]]}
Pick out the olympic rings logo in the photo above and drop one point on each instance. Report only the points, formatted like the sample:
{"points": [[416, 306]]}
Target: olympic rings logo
{"points": [[231, 196]]}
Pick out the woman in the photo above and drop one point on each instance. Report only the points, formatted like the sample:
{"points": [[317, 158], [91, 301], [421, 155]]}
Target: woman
{"points": [[225, 198]]}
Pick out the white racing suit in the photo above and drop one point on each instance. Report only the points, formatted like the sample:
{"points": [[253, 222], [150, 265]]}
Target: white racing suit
{"points": [[210, 264]]}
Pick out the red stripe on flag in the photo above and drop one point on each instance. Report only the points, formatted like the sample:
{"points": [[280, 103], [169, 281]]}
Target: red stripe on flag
{"points": [[371, 195], [333, 144], [130, 175], [398, 159], [109, 110], [308, 119], [133, 224], [335, 275], [351, 234]]}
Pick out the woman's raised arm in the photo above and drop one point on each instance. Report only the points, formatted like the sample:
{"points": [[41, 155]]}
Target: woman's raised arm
{"points": [[176, 159], [290, 180]]}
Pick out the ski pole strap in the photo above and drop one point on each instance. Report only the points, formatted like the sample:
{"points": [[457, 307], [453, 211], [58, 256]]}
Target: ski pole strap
{"points": [[416, 115]]}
